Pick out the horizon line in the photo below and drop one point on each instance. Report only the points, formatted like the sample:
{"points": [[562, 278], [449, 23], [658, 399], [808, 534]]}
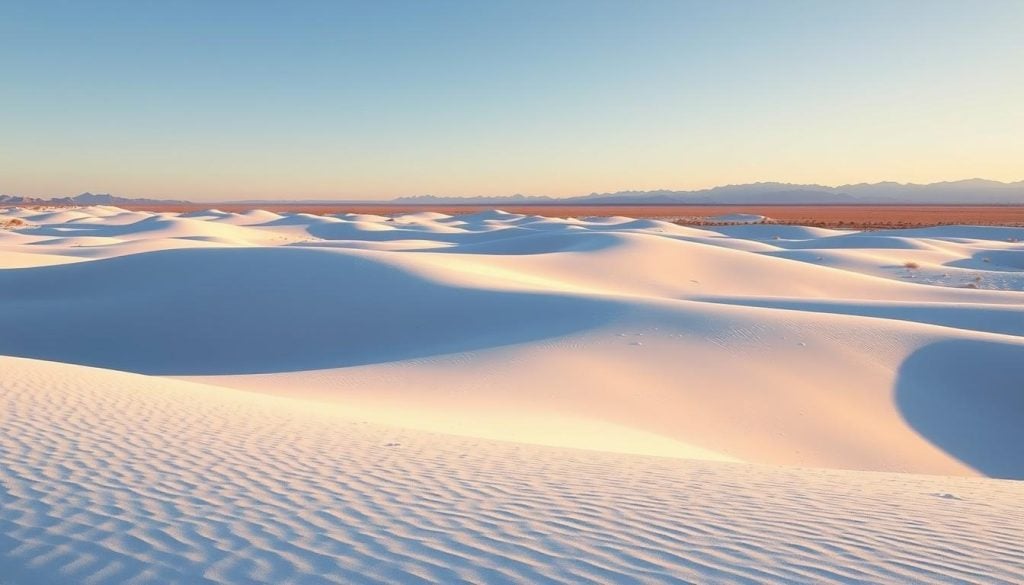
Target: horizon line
{"points": [[522, 195]]}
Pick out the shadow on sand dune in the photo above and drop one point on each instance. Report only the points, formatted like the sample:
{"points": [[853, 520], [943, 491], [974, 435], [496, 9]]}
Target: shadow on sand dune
{"points": [[967, 398], [1004, 319], [246, 310], [100, 229]]}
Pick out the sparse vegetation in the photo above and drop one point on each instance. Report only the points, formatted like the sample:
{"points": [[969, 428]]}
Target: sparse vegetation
{"points": [[911, 265]]}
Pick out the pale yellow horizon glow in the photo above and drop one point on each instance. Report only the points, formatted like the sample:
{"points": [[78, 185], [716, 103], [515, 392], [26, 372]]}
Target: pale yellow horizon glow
{"points": [[269, 187]]}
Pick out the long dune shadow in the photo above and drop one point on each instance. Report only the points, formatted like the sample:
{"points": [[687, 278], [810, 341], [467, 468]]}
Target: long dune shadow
{"points": [[349, 231], [99, 229], [246, 310], [539, 242], [506, 242], [993, 260], [967, 398], [1004, 319]]}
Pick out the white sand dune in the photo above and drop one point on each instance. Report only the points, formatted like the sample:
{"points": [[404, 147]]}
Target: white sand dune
{"points": [[358, 398], [116, 478]]}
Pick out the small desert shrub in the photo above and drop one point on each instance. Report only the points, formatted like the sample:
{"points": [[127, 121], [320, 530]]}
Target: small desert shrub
{"points": [[911, 265]]}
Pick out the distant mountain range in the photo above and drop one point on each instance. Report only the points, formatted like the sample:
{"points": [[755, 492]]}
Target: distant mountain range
{"points": [[86, 199], [969, 191]]}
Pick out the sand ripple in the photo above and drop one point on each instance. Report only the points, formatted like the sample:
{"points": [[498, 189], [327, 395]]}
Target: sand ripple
{"points": [[120, 478]]}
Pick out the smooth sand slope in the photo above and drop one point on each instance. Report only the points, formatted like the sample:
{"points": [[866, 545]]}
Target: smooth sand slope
{"points": [[411, 385]]}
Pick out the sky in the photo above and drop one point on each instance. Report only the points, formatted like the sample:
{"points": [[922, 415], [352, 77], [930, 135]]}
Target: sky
{"points": [[330, 99]]}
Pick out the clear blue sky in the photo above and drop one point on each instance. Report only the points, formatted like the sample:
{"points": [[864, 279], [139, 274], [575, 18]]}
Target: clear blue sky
{"points": [[224, 100]]}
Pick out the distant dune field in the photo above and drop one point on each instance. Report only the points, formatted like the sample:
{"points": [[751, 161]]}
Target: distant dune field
{"points": [[852, 216]]}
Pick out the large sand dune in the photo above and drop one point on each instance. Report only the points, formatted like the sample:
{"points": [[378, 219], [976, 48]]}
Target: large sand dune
{"points": [[410, 387]]}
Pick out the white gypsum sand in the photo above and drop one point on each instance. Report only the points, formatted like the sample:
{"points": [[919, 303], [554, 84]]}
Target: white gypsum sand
{"points": [[506, 398]]}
